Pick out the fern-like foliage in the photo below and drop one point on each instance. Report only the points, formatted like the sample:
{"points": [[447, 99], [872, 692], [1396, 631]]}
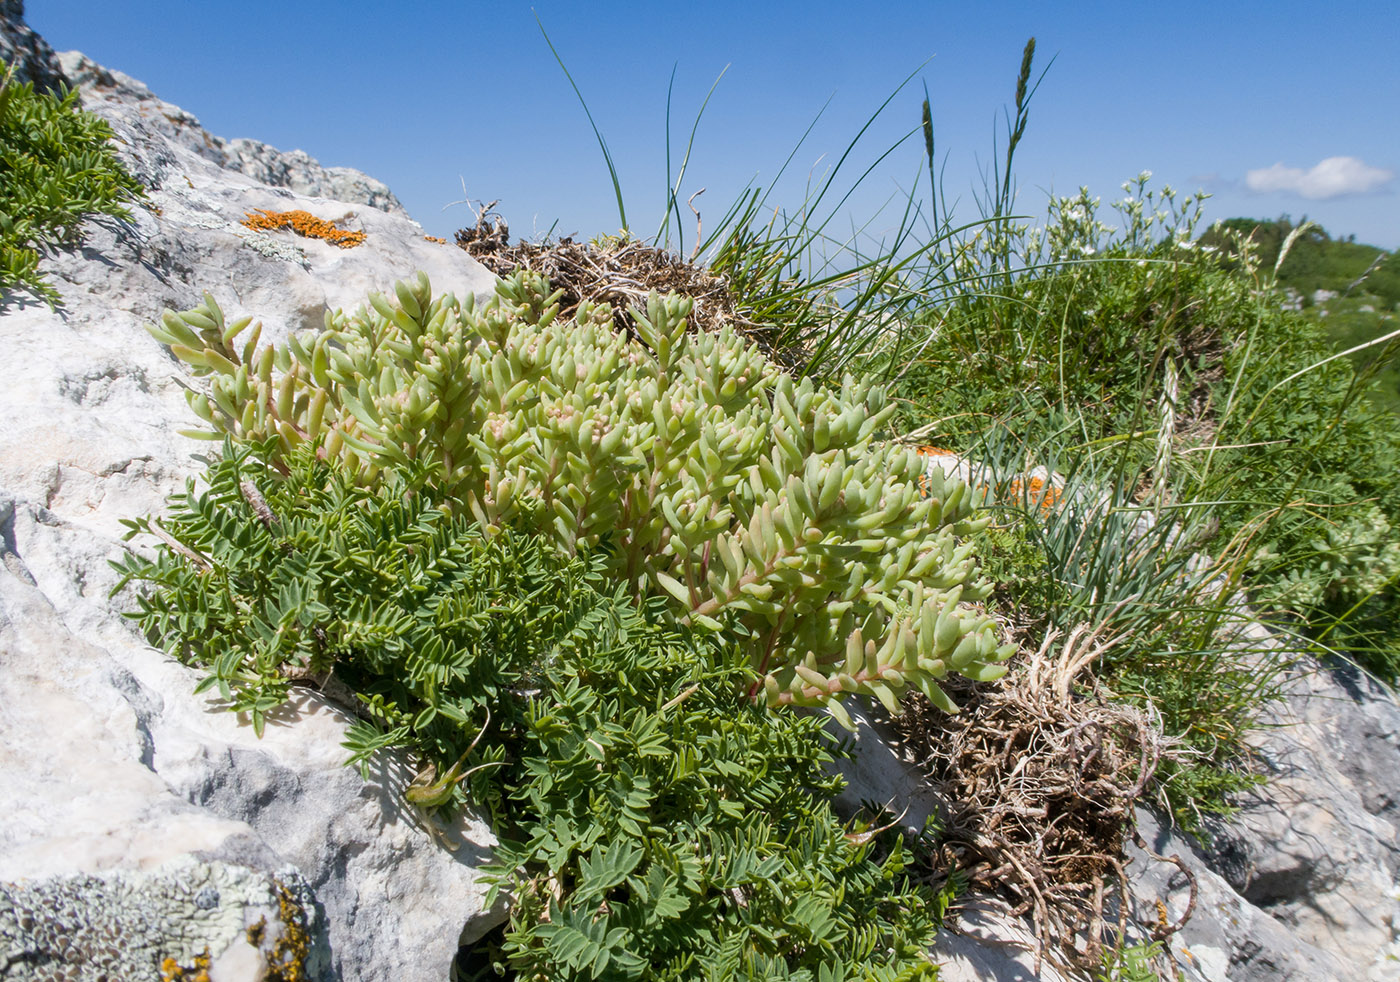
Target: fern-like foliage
{"points": [[426, 620], [655, 822], [691, 832], [57, 168]]}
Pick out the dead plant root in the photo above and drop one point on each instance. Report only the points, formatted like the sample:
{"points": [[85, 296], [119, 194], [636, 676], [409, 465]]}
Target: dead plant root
{"points": [[1042, 781]]}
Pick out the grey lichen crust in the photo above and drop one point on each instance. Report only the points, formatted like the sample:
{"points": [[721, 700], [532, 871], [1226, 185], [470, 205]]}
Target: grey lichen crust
{"points": [[136, 925]]}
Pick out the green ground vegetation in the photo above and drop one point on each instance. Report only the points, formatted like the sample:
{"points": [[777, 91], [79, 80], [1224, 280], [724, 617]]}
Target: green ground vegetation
{"points": [[57, 170]]}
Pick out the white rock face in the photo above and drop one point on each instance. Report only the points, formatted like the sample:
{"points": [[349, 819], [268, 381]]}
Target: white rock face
{"points": [[118, 781], [1319, 846]]}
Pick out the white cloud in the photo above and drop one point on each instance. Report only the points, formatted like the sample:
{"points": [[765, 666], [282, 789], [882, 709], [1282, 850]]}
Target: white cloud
{"points": [[1331, 178]]}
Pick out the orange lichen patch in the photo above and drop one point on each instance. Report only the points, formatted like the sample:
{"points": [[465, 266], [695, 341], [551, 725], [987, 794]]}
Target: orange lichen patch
{"points": [[302, 223], [1012, 492], [434, 238], [1046, 495]]}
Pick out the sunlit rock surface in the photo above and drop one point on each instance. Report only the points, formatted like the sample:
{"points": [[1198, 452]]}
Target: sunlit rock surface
{"points": [[142, 822]]}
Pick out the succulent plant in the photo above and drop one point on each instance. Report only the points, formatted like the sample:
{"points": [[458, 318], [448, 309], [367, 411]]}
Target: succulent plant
{"points": [[756, 504]]}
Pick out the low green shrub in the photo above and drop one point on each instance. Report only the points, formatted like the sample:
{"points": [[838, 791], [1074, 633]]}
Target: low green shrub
{"points": [[57, 169], [655, 822], [1311, 470], [1083, 330], [749, 502], [695, 832]]}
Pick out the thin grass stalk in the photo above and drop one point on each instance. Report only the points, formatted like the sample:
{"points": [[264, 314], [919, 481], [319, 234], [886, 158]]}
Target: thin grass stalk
{"points": [[1016, 131], [673, 199], [602, 143]]}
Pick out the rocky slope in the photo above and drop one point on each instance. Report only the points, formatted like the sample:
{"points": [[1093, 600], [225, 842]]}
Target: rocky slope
{"points": [[145, 824], [142, 823]]}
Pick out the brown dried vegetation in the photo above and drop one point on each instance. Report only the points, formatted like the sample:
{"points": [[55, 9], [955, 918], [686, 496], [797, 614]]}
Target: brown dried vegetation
{"points": [[1042, 782], [620, 271]]}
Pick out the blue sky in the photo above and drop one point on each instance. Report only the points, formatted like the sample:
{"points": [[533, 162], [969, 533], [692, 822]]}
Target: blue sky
{"points": [[1276, 108]]}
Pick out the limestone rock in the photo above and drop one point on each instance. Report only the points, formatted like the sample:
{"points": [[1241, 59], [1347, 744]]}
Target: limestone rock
{"points": [[1226, 937], [229, 920], [113, 94], [1318, 847], [28, 53], [123, 788]]}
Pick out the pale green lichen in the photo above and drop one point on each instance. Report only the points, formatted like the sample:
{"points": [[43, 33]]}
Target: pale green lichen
{"points": [[158, 926]]}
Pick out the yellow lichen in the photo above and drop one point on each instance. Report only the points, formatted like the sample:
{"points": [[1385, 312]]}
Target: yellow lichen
{"points": [[255, 932], [172, 971], [286, 961], [434, 238], [302, 223]]}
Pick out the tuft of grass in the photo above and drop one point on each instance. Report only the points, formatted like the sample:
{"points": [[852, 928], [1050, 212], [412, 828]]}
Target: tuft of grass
{"points": [[1098, 553]]}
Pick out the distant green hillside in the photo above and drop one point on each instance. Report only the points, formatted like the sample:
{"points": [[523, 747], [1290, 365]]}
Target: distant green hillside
{"points": [[1317, 261], [1365, 279]]}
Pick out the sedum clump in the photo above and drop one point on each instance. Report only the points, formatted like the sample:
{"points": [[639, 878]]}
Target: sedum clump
{"points": [[755, 504]]}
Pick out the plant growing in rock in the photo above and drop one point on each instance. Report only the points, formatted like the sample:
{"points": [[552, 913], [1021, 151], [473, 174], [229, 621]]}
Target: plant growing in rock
{"points": [[704, 473], [57, 169], [654, 823]]}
